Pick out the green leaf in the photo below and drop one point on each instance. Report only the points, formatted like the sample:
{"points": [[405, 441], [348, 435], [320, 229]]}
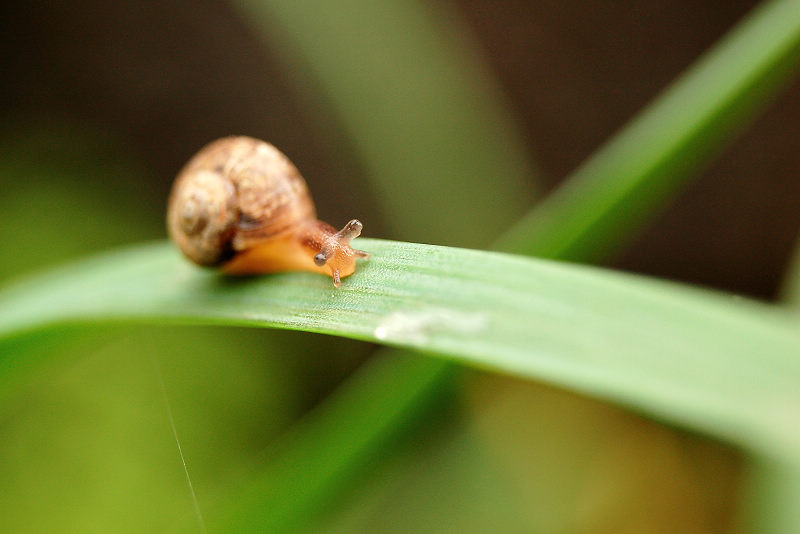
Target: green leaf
{"points": [[657, 151], [299, 474], [716, 363]]}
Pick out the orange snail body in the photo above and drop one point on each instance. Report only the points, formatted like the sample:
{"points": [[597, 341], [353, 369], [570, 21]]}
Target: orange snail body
{"points": [[241, 205]]}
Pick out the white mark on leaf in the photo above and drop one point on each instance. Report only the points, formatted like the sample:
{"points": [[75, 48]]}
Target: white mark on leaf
{"points": [[417, 326]]}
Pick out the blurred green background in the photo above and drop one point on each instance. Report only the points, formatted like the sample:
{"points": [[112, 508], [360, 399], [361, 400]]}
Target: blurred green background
{"points": [[387, 108]]}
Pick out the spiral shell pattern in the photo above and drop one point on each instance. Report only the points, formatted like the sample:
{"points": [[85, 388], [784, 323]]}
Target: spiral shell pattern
{"points": [[234, 192]]}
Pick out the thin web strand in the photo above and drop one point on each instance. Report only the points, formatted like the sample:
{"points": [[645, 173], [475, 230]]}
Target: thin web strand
{"points": [[200, 521]]}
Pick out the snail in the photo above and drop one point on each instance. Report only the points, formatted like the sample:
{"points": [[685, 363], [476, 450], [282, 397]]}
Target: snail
{"points": [[241, 205]]}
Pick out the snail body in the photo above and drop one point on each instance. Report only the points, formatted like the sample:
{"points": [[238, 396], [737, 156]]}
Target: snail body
{"points": [[239, 204]]}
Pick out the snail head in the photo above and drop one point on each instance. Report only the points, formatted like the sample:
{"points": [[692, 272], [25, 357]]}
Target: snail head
{"points": [[337, 253]]}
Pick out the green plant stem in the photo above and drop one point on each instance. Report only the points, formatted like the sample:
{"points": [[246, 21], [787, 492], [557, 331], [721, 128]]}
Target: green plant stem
{"points": [[708, 361], [313, 462], [634, 174]]}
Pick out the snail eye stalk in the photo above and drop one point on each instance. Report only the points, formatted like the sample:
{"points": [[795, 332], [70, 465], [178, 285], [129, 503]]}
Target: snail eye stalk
{"points": [[350, 231]]}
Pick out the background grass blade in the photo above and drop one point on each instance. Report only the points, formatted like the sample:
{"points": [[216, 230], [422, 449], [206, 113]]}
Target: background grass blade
{"points": [[418, 106], [652, 156], [721, 365], [295, 479], [774, 491]]}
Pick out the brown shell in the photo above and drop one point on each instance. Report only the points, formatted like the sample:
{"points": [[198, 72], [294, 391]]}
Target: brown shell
{"points": [[235, 192]]}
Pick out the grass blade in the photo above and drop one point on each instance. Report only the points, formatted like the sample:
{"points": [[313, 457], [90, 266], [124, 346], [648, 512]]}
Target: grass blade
{"points": [[417, 104], [631, 176], [721, 365], [298, 475]]}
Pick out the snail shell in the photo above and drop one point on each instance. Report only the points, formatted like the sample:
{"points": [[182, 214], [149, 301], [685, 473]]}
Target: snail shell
{"points": [[241, 204]]}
